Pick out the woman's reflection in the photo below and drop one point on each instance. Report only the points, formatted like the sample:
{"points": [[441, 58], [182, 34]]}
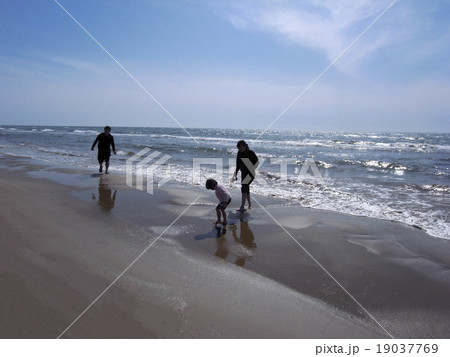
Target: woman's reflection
{"points": [[245, 238], [221, 244]]}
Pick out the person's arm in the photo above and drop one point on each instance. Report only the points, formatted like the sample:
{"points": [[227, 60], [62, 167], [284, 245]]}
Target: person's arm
{"points": [[95, 142], [112, 144]]}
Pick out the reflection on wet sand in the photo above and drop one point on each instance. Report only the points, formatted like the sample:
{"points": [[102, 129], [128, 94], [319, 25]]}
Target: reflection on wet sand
{"points": [[221, 243], [245, 239], [106, 199]]}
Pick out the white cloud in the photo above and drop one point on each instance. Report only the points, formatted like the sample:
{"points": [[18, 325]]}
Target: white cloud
{"points": [[325, 25]]}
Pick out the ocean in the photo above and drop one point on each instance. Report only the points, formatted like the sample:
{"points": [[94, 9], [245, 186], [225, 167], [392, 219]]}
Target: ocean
{"points": [[403, 177]]}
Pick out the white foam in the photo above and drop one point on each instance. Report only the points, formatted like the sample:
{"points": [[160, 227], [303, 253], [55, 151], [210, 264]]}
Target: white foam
{"points": [[77, 131]]}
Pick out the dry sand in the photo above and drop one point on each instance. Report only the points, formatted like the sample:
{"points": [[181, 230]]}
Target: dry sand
{"points": [[67, 234]]}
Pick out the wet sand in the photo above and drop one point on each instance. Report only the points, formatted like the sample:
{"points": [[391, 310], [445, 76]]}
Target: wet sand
{"points": [[67, 234]]}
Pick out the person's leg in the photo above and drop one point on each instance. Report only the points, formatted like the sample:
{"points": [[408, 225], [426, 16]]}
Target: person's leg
{"points": [[100, 158], [100, 162], [244, 196], [248, 193], [244, 191], [106, 164], [224, 215], [218, 215]]}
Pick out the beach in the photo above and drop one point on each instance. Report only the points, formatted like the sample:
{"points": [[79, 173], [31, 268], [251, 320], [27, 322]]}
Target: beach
{"points": [[127, 129], [279, 271]]}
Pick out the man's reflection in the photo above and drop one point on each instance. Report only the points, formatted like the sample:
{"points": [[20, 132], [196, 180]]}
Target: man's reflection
{"points": [[106, 198]]}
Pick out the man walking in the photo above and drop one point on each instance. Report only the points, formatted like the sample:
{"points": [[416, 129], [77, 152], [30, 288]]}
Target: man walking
{"points": [[105, 141]]}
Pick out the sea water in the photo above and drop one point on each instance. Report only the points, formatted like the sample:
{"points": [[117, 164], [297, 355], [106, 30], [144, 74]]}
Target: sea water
{"points": [[403, 177]]}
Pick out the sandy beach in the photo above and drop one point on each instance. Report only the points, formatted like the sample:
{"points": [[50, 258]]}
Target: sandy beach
{"points": [[67, 234]]}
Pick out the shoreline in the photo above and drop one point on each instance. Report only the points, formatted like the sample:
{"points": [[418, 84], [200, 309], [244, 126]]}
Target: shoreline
{"points": [[251, 281], [385, 176]]}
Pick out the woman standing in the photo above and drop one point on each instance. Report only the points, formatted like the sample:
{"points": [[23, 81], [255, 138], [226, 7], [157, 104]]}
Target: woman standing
{"points": [[246, 162]]}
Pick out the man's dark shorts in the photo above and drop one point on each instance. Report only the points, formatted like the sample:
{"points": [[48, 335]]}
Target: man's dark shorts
{"points": [[103, 156], [223, 204]]}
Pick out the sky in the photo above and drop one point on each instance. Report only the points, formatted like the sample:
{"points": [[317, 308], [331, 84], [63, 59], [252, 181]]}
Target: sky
{"points": [[227, 64]]}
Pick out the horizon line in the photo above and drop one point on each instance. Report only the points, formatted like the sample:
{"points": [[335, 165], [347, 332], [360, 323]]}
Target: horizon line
{"points": [[218, 128]]}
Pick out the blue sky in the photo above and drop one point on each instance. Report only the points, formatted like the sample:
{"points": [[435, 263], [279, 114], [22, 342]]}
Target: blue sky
{"points": [[231, 64]]}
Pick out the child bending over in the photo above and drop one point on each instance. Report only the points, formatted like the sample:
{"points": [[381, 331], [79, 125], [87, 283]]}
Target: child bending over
{"points": [[224, 199]]}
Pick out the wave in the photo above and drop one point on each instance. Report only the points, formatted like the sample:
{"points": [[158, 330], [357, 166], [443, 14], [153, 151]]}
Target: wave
{"points": [[78, 131], [377, 164], [125, 153], [440, 173], [363, 145], [57, 152], [348, 141], [384, 165], [328, 143], [131, 134], [431, 188], [382, 203], [324, 164], [198, 138]]}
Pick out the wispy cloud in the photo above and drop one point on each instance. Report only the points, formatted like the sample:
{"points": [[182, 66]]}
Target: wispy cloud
{"points": [[48, 66], [71, 63], [323, 25]]}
